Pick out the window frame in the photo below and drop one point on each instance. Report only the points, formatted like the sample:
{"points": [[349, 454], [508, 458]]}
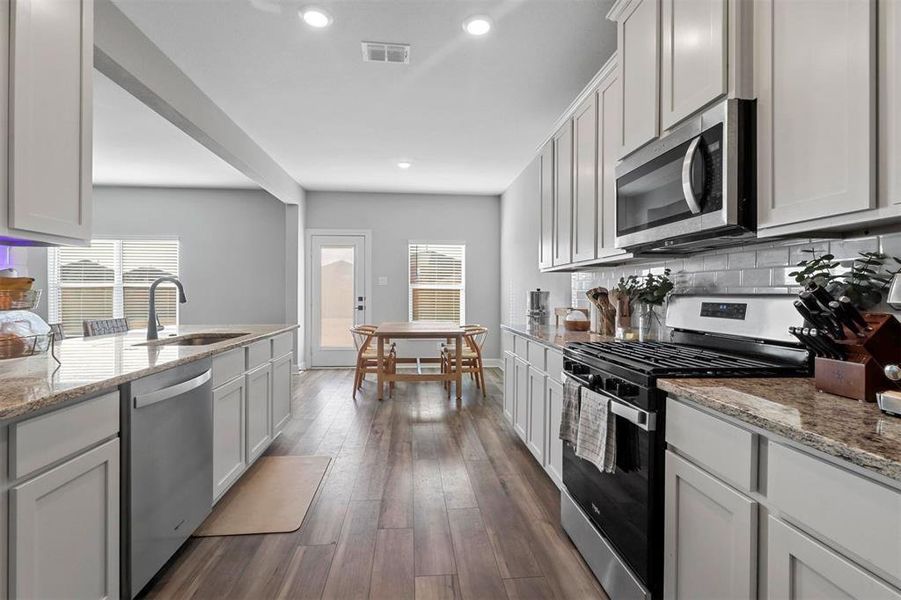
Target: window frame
{"points": [[55, 286], [411, 286]]}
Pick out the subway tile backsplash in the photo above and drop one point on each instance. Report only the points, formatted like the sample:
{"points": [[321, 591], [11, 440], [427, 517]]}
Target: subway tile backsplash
{"points": [[749, 269]]}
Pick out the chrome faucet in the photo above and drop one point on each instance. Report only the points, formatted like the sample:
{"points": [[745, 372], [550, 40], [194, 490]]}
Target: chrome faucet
{"points": [[151, 312]]}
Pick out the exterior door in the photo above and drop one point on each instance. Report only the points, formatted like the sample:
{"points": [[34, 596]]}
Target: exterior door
{"points": [[338, 297]]}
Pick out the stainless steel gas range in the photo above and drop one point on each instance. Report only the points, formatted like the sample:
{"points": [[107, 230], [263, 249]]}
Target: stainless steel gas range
{"points": [[616, 519]]}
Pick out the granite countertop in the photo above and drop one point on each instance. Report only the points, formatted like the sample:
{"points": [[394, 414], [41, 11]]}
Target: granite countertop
{"points": [[793, 408], [554, 336], [101, 363]]}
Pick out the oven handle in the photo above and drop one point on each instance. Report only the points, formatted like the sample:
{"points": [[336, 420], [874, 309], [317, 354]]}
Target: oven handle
{"points": [[640, 418], [687, 189]]}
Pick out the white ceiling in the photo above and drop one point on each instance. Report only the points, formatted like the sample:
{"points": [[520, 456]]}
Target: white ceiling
{"points": [[135, 146], [468, 112]]}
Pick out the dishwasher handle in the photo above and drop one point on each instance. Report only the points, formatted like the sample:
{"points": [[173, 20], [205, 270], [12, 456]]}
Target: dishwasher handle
{"points": [[142, 400]]}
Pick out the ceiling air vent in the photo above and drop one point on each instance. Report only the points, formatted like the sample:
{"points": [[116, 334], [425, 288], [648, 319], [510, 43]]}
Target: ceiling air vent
{"points": [[386, 53]]}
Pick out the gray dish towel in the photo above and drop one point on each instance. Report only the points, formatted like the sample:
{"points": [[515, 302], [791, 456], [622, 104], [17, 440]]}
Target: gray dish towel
{"points": [[569, 422], [597, 432]]}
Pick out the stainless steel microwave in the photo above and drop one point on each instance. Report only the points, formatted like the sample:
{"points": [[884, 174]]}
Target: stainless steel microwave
{"points": [[693, 188]]}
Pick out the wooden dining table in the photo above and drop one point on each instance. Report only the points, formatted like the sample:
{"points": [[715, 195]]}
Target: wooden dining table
{"points": [[419, 330]]}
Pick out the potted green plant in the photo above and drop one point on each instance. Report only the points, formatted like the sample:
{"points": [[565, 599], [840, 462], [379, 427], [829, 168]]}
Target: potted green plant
{"points": [[651, 292], [864, 283]]}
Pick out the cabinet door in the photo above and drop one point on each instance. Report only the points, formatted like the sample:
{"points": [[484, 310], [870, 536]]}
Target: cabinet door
{"points": [[585, 163], [64, 527], [563, 195], [281, 393], [609, 124], [799, 568], [890, 103], [509, 386], [554, 400], [638, 58], [816, 109], [258, 422], [521, 404], [50, 117], [537, 414], [710, 536], [546, 187], [693, 69], [229, 448]]}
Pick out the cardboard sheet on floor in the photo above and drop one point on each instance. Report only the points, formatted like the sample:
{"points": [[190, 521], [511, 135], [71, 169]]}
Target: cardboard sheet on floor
{"points": [[273, 497]]}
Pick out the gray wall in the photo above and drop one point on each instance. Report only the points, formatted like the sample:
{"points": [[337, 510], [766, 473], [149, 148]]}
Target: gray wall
{"points": [[233, 248], [395, 220], [520, 224]]}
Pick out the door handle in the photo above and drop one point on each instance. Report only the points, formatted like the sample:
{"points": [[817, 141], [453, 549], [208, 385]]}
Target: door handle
{"points": [[142, 400], [687, 189]]}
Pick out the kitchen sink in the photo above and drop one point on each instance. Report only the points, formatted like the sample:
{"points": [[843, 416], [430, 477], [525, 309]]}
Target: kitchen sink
{"points": [[194, 339]]}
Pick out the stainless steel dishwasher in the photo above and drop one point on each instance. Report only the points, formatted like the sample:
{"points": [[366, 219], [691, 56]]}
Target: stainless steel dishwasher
{"points": [[167, 460]]}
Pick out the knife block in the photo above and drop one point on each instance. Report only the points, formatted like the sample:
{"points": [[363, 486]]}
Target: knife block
{"points": [[860, 375]]}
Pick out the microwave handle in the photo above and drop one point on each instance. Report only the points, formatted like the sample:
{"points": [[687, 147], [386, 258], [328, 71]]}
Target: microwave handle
{"points": [[687, 189]]}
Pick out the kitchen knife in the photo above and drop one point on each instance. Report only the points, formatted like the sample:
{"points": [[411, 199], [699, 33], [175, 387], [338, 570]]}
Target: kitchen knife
{"points": [[826, 321], [821, 294], [841, 313], [815, 342], [796, 331], [816, 319], [854, 313], [832, 349]]}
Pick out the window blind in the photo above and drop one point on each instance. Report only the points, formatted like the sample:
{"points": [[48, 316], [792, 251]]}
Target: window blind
{"points": [[437, 282], [111, 279]]}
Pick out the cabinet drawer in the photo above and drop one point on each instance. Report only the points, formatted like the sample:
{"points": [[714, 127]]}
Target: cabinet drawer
{"points": [[507, 341], [257, 354], [555, 365], [282, 344], [43, 440], [725, 450], [537, 355], [859, 515], [227, 366], [520, 347]]}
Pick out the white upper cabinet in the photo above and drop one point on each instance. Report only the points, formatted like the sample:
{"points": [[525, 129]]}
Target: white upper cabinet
{"points": [[816, 112], [638, 59], [585, 164], [694, 50], [546, 186], [890, 103], [609, 119], [563, 195], [49, 80]]}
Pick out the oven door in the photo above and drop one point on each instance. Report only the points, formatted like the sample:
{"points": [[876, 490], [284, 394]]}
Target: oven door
{"points": [[626, 506]]}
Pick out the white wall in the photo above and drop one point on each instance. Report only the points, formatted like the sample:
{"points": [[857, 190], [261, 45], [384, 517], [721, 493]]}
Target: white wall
{"points": [[520, 224], [395, 220], [233, 259]]}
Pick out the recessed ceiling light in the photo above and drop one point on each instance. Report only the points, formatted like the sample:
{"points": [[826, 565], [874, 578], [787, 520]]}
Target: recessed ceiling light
{"points": [[404, 164], [315, 17], [477, 25]]}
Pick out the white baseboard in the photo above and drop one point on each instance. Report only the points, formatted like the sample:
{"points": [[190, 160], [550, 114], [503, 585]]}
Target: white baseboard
{"points": [[494, 363]]}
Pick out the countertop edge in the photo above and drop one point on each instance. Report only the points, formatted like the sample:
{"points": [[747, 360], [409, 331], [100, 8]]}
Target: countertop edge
{"points": [[89, 390], [876, 464], [520, 330]]}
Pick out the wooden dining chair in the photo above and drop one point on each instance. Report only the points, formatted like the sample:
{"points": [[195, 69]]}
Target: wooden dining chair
{"points": [[92, 327], [471, 359], [367, 356]]}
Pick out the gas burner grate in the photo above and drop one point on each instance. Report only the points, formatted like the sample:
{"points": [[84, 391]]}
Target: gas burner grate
{"points": [[672, 358]]}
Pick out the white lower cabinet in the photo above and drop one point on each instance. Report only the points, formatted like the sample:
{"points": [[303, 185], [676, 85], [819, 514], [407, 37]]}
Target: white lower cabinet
{"points": [[799, 568], [64, 527], [509, 386], [281, 393], [229, 450], [554, 455], [521, 398], [710, 536], [258, 428], [537, 417]]}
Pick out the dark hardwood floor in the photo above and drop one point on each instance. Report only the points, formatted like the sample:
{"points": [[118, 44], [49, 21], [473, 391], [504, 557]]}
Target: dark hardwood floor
{"points": [[425, 498]]}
